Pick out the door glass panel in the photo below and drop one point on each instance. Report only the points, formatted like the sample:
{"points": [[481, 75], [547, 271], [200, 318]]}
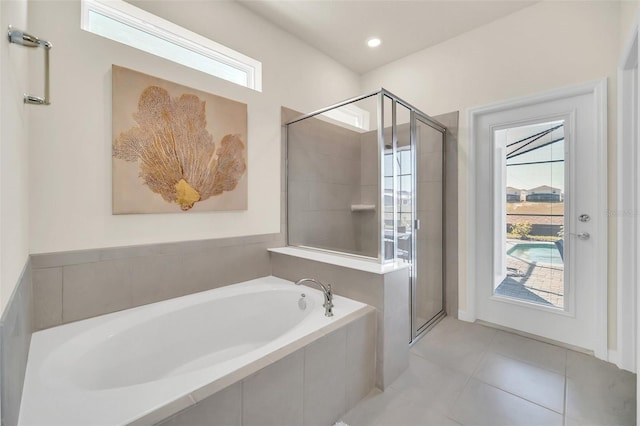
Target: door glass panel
{"points": [[428, 274], [530, 234], [404, 183], [388, 184], [333, 183]]}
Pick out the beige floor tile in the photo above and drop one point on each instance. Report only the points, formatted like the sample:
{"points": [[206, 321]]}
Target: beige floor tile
{"points": [[436, 386], [543, 355], [481, 404], [393, 408], [460, 354], [527, 381], [614, 404], [516, 381], [588, 370]]}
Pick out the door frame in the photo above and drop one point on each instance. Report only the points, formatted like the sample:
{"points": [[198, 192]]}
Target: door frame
{"points": [[598, 89], [628, 202]]}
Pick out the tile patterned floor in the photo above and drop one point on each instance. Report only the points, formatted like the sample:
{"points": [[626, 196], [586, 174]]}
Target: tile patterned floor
{"points": [[468, 374]]}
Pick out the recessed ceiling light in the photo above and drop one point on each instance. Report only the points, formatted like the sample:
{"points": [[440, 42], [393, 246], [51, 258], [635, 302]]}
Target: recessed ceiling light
{"points": [[373, 42]]}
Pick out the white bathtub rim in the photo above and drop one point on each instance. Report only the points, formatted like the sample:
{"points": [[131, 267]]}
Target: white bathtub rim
{"points": [[195, 385]]}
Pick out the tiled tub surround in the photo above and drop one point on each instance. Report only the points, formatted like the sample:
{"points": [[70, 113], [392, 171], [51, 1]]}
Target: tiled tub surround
{"points": [[384, 287], [145, 364], [71, 286], [15, 337]]}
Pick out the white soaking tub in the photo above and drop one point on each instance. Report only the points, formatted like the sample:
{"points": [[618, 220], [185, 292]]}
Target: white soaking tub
{"points": [[129, 366]]}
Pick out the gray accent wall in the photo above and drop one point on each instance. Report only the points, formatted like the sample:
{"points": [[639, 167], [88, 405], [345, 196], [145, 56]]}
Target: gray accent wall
{"points": [[15, 338], [450, 121], [72, 286]]}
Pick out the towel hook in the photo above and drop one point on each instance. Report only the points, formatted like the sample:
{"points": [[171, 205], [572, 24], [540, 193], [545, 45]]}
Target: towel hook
{"points": [[25, 39]]}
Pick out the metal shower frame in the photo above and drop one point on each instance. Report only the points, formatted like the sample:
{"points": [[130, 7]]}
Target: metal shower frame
{"points": [[415, 115]]}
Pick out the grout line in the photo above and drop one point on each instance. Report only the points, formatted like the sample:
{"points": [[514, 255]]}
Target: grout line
{"points": [[62, 295], [484, 353], [475, 370], [453, 420], [241, 402], [304, 376], [538, 366], [522, 398]]}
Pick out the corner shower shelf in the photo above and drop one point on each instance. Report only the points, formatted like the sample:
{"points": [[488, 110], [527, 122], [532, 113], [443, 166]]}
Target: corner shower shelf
{"points": [[363, 208]]}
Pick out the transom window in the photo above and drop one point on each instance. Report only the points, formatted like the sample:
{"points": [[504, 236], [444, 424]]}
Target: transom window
{"points": [[127, 24]]}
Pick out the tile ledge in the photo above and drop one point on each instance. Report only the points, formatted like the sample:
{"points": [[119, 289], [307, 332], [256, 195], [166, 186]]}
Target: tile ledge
{"points": [[340, 260]]}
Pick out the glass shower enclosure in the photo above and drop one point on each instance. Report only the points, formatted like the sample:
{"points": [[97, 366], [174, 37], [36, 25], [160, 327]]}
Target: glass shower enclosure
{"points": [[365, 178]]}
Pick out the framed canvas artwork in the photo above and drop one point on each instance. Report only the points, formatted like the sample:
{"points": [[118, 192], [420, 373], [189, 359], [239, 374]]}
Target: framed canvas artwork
{"points": [[175, 148]]}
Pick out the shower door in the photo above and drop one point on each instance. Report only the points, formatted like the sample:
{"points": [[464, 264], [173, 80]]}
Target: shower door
{"points": [[427, 275]]}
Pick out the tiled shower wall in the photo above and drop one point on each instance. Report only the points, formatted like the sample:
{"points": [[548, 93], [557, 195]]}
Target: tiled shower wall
{"points": [[324, 181], [450, 121], [367, 221]]}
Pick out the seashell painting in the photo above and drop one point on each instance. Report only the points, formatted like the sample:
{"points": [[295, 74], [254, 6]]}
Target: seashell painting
{"points": [[175, 148]]}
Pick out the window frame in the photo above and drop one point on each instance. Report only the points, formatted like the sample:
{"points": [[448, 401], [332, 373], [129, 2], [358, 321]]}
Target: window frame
{"points": [[142, 20]]}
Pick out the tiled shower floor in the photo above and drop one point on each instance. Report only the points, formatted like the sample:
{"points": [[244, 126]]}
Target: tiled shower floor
{"points": [[468, 374]]}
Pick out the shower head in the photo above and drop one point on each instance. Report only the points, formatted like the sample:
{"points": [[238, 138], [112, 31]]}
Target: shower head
{"points": [[26, 39]]}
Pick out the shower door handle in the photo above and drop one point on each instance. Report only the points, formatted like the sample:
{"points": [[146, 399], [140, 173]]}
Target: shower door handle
{"points": [[416, 224]]}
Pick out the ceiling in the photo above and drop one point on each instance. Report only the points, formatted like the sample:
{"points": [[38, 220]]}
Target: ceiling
{"points": [[340, 28]]}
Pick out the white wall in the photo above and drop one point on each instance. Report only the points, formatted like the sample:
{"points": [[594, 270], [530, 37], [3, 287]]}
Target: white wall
{"points": [[70, 162], [14, 144], [545, 46], [628, 16]]}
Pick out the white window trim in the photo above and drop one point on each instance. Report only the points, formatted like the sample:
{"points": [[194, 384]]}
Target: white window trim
{"points": [[168, 31]]}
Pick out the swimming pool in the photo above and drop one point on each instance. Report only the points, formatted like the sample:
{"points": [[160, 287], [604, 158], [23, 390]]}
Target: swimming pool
{"points": [[537, 252]]}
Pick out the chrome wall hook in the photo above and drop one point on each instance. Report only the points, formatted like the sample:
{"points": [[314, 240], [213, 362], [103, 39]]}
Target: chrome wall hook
{"points": [[25, 39]]}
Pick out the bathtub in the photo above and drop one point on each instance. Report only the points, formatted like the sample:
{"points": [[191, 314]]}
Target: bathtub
{"points": [[128, 366]]}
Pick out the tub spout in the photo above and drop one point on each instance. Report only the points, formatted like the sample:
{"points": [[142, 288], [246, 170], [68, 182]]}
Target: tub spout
{"points": [[328, 295]]}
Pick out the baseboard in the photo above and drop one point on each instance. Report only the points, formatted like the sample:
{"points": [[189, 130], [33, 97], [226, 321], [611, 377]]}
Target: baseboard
{"points": [[612, 357], [464, 316]]}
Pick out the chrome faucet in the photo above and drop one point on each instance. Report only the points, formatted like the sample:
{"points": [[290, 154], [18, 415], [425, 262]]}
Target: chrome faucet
{"points": [[328, 295]]}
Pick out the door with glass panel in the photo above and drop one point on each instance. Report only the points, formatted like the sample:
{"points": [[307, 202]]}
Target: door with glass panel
{"points": [[537, 216], [428, 297], [414, 220]]}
